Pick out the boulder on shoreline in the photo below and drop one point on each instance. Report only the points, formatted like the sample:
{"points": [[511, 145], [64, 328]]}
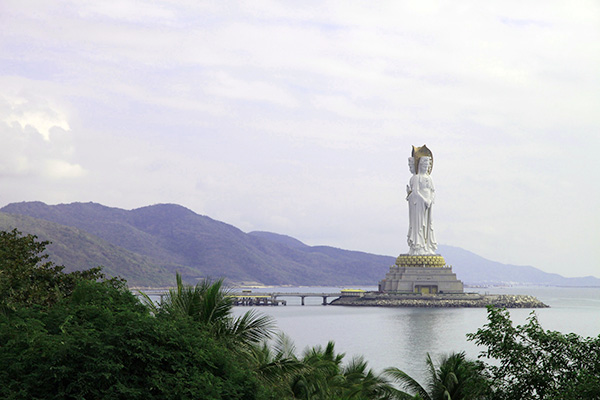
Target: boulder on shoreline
{"points": [[376, 299]]}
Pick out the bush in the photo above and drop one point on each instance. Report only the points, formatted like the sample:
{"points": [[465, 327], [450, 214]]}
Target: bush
{"points": [[102, 343], [537, 364]]}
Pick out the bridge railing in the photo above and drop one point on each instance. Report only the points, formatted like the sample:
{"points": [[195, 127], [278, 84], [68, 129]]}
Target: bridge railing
{"points": [[271, 298]]}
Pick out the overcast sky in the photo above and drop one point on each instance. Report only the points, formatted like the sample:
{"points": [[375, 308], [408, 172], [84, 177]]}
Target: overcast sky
{"points": [[298, 117]]}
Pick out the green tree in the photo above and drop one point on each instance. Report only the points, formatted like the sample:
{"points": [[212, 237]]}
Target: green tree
{"points": [[209, 303], [325, 377], [533, 363], [455, 378], [276, 364], [27, 277], [101, 342], [322, 374], [362, 383]]}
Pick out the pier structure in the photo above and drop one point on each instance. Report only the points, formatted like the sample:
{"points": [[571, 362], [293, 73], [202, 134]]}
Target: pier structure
{"points": [[245, 299], [249, 298], [302, 296]]}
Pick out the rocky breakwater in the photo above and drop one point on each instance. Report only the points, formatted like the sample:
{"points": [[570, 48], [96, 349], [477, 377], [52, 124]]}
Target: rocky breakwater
{"points": [[377, 299]]}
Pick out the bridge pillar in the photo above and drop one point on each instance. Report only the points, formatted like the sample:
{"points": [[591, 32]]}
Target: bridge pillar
{"points": [[302, 298], [324, 300]]}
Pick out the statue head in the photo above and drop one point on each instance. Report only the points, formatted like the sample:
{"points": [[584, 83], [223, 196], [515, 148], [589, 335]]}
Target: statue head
{"points": [[424, 165], [411, 165], [423, 151]]}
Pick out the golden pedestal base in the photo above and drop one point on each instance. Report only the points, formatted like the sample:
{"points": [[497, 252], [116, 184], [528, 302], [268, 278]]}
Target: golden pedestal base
{"points": [[433, 261]]}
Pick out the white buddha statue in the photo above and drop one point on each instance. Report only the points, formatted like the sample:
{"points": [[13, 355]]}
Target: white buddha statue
{"points": [[420, 197]]}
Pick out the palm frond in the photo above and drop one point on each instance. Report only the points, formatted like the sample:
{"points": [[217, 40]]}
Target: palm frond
{"points": [[251, 327], [407, 382], [215, 305], [362, 383], [283, 346], [149, 303]]}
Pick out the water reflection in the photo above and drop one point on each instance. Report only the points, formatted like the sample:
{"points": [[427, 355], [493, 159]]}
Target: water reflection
{"points": [[437, 331], [402, 337], [419, 328]]}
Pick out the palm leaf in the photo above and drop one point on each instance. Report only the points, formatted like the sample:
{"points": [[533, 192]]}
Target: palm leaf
{"points": [[407, 382], [250, 328], [149, 303], [283, 346]]}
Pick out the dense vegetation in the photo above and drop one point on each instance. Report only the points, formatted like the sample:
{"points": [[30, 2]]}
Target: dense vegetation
{"points": [[81, 336]]}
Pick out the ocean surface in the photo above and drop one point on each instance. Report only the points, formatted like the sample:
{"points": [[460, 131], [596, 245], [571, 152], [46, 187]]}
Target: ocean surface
{"points": [[402, 337]]}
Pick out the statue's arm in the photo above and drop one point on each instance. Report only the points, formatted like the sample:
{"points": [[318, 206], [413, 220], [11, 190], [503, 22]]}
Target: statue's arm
{"points": [[430, 199], [409, 187]]}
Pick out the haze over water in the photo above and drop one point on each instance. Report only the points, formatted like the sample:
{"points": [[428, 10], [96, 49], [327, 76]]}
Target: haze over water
{"points": [[402, 337]]}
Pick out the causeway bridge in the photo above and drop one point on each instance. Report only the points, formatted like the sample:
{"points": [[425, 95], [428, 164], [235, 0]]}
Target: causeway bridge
{"points": [[250, 298], [303, 295]]}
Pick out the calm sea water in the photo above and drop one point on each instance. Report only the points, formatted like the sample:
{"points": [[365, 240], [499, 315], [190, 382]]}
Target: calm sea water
{"points": [[401, 337]]}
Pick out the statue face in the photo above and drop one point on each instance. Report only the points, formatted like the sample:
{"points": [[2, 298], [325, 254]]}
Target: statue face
{"points": [[411, 165], [424, 164]]}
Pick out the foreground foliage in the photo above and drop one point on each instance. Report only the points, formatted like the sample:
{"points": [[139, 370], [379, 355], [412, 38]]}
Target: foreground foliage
{"points": [[80, 336], [208, 304], [68, 336], [454, 378], [537, 364], [102, 343], [28, 278], [319, 373]]}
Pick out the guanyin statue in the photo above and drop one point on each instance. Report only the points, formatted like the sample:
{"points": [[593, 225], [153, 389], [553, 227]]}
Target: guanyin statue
{"points": [[420, 197]]}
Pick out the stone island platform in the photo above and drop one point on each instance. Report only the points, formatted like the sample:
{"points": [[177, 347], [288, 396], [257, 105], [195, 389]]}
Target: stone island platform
{"points": [[379, 299]]}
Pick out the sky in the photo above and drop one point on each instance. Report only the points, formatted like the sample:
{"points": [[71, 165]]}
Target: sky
{"points": [[297, 117]]}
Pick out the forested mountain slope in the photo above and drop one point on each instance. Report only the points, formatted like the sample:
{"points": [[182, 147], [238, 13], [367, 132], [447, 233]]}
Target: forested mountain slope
{"points": [[175, 238]]}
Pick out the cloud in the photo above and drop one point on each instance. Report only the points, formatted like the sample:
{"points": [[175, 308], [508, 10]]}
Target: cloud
{"points": [[35, 136], [41, 117], [57, 169]]}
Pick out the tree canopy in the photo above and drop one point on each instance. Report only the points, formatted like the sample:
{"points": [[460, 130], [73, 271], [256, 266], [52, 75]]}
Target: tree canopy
{"points": [[73, 336], [102, 343], [533, 363], [28, 278]]}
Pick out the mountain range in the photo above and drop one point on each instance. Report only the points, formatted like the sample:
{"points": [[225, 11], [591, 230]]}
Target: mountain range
{"points": [[148, 245]]}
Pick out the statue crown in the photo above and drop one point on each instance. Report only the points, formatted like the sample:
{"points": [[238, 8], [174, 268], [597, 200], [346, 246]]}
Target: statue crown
{"points": [[423, 151]]}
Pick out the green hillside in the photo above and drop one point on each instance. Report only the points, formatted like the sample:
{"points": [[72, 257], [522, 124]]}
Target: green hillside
{"points": [[78, 250], [169, 237]]}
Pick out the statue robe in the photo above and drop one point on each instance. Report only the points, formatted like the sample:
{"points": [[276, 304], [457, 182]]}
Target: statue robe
{"points": [[421, 239]]}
